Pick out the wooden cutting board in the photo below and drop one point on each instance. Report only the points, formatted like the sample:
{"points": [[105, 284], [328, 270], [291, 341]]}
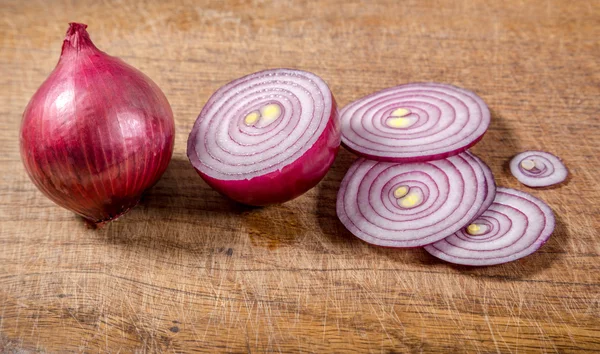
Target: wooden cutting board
{"points": [[188, 270]]}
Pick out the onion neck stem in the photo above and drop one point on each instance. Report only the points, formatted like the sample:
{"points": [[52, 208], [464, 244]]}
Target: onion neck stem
{"points": [[77, 39]]}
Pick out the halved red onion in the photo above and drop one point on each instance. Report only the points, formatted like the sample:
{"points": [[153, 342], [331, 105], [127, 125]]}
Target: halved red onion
{"points": [[515, 226], [414, 122], [411, 204], [490, 186], [267, 137], [538, 169]]}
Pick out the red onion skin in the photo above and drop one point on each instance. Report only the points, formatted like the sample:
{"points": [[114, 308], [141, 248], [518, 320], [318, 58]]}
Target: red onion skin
{"points": [[97, 133], [292, 181]]}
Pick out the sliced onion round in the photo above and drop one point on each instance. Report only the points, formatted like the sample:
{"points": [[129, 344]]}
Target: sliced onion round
{"points": [[412, 204], [414, 122], [538, 169], [267, 137], [515, 226]]}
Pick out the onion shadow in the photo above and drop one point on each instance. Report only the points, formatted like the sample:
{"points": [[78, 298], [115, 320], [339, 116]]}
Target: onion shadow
{"points": [[181, 212], [498, 146], [327, 219], [499, 141], [273, 227], [497, 149]]}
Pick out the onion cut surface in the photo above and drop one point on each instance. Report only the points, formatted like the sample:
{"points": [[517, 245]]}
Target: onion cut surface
{"points": [[414, 122], [516, 225], [538, 169], [267, 137], [412, 204]]}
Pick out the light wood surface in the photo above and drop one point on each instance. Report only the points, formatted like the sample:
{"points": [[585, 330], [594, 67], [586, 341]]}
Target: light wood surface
{"points": [[188, 270]]}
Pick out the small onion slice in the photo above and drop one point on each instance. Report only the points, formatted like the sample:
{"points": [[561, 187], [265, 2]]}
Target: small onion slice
{"points": [[412, 204], [515, 226], [267, 137], [414, 122], [538, 169]]}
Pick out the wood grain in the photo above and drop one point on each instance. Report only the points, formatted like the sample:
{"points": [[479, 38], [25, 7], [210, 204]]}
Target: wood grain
{"points": [[189, 271]]}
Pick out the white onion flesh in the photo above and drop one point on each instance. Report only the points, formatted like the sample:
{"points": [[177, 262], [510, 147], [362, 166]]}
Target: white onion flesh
{"points": [[229, 149]]}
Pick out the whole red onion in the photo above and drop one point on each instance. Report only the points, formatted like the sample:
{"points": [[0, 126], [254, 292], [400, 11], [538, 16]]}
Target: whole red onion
{"points": [[97, 133]]}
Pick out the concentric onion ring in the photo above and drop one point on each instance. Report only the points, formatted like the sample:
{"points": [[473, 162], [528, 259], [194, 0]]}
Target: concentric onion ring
{"points": [[412, 204], [267, 137], [538, 169], [414, 122], [490, 188], [515, 226]]}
